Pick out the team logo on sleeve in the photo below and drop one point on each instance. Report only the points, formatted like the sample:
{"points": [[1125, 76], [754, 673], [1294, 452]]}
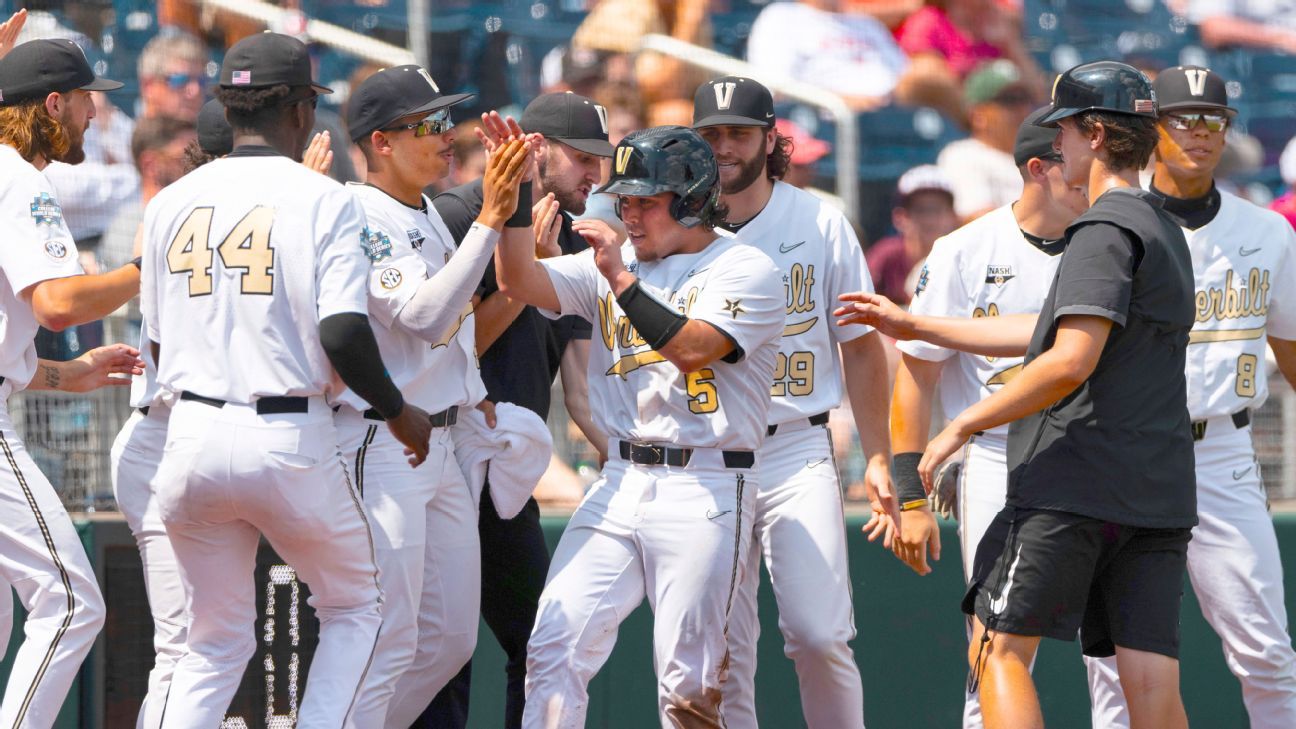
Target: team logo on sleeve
{"points": [[922, 280], [45, 210], [56, 250], [734, 307], [390, 278], [416, 238], [999, 275], [376, 244]]}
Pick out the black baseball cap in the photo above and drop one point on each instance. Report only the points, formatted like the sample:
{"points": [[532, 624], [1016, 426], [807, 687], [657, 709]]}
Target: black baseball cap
{"points": [[268, 59], [572, 119], [1034, 140], [1191, 87], [732, 101], [37, 68], [215, 135], [393, 93], [1101, 86]]}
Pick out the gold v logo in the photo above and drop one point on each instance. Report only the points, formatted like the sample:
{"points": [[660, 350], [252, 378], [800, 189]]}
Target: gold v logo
{"points": [[623, 159]]}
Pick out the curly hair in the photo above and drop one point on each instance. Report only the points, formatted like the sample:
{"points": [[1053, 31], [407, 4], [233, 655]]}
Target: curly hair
{"points": [[195, 157], [1129, 139], [29, 128], [778, 161], [254, 108]]}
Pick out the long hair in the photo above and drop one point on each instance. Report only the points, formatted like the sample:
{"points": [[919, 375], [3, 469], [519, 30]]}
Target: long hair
{"points": [[778, 161], [29, 128]]}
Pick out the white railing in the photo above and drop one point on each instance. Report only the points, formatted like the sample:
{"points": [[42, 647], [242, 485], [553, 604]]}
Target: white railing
{"points": [[334, 36]]}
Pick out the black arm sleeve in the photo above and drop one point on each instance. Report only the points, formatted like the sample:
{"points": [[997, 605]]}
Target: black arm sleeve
{"points": [[656, 322], [904, 472], [456, 214], [351, 348]]}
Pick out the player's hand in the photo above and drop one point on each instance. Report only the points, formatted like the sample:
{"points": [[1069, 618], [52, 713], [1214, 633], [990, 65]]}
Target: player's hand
{"points": [[413, 428], [881, 492], [939, 449], [944, 495], [496, 130], [876, 311], [546, 224], [488, 409], [607, 251], [918, 532], [880, 524], [9, 31], [97, 367], [500, 184], [318, 155]]}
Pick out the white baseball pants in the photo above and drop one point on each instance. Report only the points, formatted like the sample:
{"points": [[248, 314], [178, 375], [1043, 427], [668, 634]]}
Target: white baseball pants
{"points": [[228, 476], [678, 536], [424, 525], [135, 456], [800, 530], [41, 557], [1236, 572]]}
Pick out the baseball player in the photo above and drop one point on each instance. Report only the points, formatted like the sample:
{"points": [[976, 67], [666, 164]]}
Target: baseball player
{"points": [[45, 108], [1000, 264], [688, 329], [248, 347], [1090, 539], [1244, 264], [799, 526], [420, 294]]}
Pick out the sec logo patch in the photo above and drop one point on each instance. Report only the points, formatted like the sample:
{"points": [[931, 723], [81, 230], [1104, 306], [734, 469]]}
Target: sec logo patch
{"points": [[390, 278], [56, 250]]}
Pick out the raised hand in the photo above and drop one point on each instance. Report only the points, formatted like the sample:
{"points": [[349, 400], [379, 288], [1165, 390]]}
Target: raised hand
{"points": [[607, 251], [504, 172], [877, 311], [546, 225], [97, 367], [319, 155], [496, 130], [9, 31]]}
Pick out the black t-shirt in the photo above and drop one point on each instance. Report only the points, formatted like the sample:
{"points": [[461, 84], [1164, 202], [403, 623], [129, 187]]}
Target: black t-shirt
{"points": [[509, 368], [1119, 448]]}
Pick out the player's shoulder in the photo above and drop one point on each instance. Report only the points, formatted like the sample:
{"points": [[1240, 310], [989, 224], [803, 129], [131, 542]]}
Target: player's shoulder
{"points": [[979, 235], [18, 176], [732, 255], [1254, 217]]}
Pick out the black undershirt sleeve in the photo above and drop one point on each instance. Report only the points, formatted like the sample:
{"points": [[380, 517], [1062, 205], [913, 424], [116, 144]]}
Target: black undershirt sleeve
{"points": [[349, 343]]}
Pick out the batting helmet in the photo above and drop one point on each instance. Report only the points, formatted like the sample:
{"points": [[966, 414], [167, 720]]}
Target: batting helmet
{"points": [[667, 159], [1101, 86]]}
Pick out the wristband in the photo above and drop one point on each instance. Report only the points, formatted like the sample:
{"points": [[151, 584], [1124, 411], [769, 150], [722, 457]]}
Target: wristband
{"points": [[656, 322], [904, 470], [522, 216], [139, 262], [911, 505]]}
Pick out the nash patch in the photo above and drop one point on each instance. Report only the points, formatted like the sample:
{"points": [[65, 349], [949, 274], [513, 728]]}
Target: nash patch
{"points": [[376, 244], [416, 238], [45, 210], [999, 275]]}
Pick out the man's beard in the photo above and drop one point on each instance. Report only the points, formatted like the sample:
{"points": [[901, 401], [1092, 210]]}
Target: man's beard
{"points": [[75, 153], [569, 201], [748, 172]]}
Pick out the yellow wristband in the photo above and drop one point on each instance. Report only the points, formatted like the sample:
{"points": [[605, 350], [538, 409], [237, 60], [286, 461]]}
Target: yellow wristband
{"points": [[911, 505]]}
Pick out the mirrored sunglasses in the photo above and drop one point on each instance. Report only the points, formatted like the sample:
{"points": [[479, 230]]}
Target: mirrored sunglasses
{"points": [[438, 122], [1184, 122]]}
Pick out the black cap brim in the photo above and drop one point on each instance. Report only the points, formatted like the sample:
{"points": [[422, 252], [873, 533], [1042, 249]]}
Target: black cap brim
{"points": [[731, 120], [1195, 105], [320, 88], [633, 188], [1056, 115], [103, 84], [596, 147]]}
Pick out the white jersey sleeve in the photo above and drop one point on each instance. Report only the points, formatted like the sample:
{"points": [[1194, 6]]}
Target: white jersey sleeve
{"points": [[1282, 305], [340, 272], [940, 292], [38, 245], [847, 273], [397, 268], [737, 301], [576, 281]]}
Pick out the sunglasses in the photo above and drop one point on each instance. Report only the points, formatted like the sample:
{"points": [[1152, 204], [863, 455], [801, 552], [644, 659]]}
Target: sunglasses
{"points": [[178, 81], [1184, 122], [438, 122]]}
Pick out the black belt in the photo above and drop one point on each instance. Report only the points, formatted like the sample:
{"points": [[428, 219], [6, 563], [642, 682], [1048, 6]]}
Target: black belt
{"points": [[443, 419], [646, 454], [820, 419], [275, 405], [1241, 419], [144, 410]]}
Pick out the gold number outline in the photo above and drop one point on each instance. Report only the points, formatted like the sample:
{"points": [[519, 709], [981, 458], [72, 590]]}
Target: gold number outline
{"points": [[703, 397]]}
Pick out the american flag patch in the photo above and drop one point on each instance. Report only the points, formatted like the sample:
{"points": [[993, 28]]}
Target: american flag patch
{"points": [[242, 78], [1144, 105]]}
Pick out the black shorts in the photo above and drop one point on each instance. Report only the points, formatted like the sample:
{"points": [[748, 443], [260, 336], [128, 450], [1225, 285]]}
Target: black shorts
{"points": [[1051, 574]]}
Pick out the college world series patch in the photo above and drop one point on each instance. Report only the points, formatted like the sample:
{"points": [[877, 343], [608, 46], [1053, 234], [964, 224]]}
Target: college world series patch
{"points": [[45, 210], [377, 245]]}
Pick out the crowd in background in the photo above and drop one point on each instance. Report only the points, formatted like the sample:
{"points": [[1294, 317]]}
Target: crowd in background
{"points": [[968, 60]]}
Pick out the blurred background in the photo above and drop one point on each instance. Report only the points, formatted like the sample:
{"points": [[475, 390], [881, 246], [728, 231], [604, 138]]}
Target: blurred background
{"points": [[902, 113]]}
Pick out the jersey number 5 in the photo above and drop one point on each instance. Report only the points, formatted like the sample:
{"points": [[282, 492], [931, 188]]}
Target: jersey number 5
{"points": [[701, 388], [247, 247]]}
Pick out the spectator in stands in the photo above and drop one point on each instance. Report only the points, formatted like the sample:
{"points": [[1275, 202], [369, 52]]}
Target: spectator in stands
{"points": [[158, 150], [966, 33], [849, 53], [981, 167], [1286, 203], [1264, 25], [173, 76], [924, 211]]}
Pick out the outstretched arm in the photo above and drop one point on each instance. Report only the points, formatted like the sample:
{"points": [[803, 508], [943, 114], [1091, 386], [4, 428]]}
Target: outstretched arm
{"points": [[995, 336], [911, 408], [90, 371], [60, 303], [865, 368]]}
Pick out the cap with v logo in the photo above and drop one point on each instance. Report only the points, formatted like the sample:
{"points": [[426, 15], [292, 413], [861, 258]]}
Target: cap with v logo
{"points": [[38, 68], [393, 93], [732, 101], [1191, 87], [572, 119]]}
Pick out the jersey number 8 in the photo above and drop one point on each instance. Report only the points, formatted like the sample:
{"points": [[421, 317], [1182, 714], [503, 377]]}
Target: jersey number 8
{"points": [[247, 247]]}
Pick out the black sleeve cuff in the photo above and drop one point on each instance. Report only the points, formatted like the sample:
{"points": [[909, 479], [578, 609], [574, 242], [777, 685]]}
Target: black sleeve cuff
{"points": [[904, 470], [522, 216], [656, 322]]}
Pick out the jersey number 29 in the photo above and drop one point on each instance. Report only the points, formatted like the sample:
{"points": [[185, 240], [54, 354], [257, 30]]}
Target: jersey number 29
{"points": [[247, 247]]}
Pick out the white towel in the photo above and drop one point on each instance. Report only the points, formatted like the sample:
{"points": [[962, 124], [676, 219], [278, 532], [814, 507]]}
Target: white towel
{"points": [[517, 450]]}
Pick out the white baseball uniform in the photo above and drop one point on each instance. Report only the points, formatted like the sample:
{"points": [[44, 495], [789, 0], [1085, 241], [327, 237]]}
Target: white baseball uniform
{"points": [[243, 258], [41, 555], [424, 519], [985, 268], [677, 534], [1244, 261], [800, 525], [135, 455]]}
